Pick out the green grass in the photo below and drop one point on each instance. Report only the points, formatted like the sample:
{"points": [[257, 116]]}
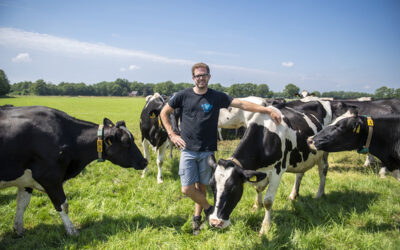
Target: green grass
{"points": [[114, 208]]}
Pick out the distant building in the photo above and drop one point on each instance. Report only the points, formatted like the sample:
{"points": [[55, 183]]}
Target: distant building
{"points": [[133, 93]]}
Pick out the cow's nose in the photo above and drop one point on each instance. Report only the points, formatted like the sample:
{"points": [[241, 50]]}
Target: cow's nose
{"points": [[216, 223], [144, 163]]}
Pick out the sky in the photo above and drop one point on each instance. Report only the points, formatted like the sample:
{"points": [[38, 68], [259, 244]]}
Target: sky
{"points": [[338, 45]]}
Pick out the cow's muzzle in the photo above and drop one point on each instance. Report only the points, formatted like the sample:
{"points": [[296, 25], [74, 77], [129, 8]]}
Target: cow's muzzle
{"points": [[311, 144], [217, 223], [142, 165]]}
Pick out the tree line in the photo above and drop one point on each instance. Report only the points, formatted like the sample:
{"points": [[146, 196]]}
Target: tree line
{"points": [[123, 87]]}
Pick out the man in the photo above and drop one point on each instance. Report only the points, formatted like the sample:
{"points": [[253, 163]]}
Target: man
{"points": [[199, 119]]}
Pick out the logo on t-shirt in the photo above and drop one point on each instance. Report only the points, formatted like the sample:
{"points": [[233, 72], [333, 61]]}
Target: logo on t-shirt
{"points": [[206, 107]]}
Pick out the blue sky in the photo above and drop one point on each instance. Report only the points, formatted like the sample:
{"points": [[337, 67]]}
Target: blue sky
{"points": [[317, 45]]}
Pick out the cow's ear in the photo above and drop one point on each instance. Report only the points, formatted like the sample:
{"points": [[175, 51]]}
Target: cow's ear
{"points": [[254, 176], [121, 124], [212, 162], [108, 123]]}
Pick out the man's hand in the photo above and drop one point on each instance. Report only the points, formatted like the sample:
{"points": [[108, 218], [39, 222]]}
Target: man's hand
{"points": [[276, 117], [177, 140]]}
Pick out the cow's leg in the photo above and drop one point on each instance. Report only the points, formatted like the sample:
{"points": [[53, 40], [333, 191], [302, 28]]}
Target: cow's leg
{"points": [[396, 174], [171, 146], [160, 160], [69, 227], [145, 144], [323, 171], [23, 199], [369, 160], [53, 187], [269, 197], [382, 171], [220, 134], [258, 201], [296, 186]]}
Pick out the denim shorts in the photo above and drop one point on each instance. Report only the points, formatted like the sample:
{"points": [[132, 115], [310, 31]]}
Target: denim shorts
{"points": [[193, 167]]}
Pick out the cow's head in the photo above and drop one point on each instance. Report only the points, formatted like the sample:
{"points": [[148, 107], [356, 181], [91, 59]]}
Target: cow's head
{"points": [[227, 186], [153, 107], [120, 147], [347, 132]]}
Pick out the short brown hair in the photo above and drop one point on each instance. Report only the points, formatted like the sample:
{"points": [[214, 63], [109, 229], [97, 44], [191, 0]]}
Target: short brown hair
{"points": [[200, 65]]}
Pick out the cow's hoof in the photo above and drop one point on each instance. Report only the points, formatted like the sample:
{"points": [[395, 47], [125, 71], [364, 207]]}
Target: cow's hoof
{"points": [[19, 231], [160, 181], [73, 232], [255, 208], [292, 197]]}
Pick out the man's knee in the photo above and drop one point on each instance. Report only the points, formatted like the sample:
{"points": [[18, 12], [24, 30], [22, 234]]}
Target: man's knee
{"points": [[187, 190]]}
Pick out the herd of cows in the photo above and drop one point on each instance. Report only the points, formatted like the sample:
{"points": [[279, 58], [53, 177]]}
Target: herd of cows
{"points": [[44, 147]]}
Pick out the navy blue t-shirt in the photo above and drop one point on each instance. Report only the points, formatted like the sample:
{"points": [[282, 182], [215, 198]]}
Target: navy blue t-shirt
{"points": [[199, 117]]}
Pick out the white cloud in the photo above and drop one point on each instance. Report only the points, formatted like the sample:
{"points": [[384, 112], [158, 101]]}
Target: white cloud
{"points": [[287, 64], [22, 57], [133, 67], [216, 53], [130, 68], [10, 37]]}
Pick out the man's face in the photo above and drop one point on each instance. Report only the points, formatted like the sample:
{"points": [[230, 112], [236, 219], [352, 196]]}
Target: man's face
{"points": [[201, 78]]}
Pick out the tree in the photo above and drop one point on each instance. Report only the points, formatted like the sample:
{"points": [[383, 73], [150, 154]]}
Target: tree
{"points": [[262, 90], [384, 92], [164, 88], [290, 90], [235, 90], [39, 87], [248, 89], [218, 87], [4, 83]]}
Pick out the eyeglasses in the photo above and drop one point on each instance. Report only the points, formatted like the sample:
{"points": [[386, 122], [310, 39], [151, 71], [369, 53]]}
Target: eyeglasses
{"points": [[203, 75]]}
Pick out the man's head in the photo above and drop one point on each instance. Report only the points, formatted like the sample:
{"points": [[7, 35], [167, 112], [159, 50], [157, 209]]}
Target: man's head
{"points": [[201, 75]]}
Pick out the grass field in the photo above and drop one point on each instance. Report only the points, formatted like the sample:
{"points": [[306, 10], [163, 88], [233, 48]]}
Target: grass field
{"points": [[116, 209]]}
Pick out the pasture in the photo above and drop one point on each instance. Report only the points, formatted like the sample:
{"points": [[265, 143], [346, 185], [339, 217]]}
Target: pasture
{"points": [[116, 209]]}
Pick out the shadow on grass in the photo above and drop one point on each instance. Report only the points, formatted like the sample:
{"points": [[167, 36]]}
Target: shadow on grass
{"points": [[91, 233], [307, 213], [7, 198], [373, 168], [173, 172]]}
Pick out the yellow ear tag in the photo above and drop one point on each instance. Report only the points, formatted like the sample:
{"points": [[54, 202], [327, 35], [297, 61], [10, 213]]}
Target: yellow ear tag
{"points": [[253, 178], [354, 129], [358, 129], [370, 122], [153, 115], [109, 142]]}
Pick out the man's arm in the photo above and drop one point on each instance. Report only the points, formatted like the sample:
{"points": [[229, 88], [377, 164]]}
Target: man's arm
{"points": [[252, 107], [176, 139]]}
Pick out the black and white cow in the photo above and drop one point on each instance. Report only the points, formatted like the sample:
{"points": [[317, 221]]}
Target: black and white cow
{"points": [[352, 131], [264, 154], [153, 132], [234, 118], [41, 148], [374, 107]]}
